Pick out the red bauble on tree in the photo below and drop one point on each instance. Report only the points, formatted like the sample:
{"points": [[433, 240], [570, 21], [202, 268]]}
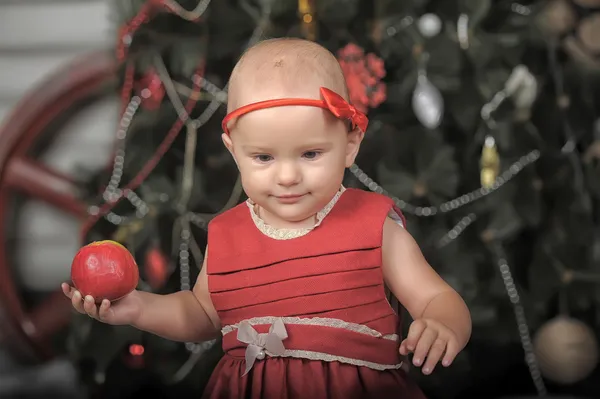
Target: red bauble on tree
{"points": [[104, 270], [152, 90]]}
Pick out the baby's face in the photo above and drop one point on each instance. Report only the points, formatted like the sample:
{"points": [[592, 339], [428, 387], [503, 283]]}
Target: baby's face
{"points": [[292, 159]]}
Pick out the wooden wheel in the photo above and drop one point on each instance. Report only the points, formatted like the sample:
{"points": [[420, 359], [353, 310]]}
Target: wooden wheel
{"points": [[25, 327]]}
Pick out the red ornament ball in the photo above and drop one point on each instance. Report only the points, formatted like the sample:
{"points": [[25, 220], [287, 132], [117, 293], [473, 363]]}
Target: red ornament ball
{"points": [[104, 270]]}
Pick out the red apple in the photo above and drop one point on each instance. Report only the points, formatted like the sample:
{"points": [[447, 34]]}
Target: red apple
{"points": [[104, 270]]}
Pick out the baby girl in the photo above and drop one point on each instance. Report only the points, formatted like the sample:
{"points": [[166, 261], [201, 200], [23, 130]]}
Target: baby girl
{"points": [[295, 278]]}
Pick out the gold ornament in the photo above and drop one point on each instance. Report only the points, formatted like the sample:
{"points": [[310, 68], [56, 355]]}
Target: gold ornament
{"points": [[125, 232], [566, 350], [489, 163], [306, 9]]}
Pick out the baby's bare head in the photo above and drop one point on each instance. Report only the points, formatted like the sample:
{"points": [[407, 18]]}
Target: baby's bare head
{"points": [[284, 68]]}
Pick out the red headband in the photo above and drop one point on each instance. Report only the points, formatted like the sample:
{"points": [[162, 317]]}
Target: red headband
{"points": [[331, 101]]}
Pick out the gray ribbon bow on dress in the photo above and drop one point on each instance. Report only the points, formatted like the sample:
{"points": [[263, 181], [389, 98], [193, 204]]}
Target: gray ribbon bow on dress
{"points": [[259, 343]]}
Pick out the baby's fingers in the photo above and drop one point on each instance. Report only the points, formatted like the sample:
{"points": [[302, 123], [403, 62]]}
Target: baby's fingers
{"points": [[77, 302], [427, 339], [105, 310], [451, 352], [435, 354], [67, 290], [90, 307], [414, 334]]}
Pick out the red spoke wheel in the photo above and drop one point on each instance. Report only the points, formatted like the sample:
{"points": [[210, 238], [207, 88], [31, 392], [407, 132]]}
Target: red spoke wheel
{"points": [[29, 326]]}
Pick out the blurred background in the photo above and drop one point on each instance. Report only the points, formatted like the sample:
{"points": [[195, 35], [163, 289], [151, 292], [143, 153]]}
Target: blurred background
{"points": [[485, 129]]}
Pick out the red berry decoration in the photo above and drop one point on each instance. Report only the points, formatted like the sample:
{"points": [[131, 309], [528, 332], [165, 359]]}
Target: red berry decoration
{"points": [[363, 73], [104, 270]]}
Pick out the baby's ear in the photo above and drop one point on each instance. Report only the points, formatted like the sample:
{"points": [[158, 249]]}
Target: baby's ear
{"points": [[227, 141], [229, 145], [355, 137]]}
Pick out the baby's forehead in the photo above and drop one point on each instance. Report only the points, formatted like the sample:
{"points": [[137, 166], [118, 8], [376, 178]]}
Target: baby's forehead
{"points": [[288, 125], [258, 87], [284, 69]]}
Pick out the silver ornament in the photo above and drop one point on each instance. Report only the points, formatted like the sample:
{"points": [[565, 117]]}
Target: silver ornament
{"points": [[522, 86], [429, 25], [427, 103]]}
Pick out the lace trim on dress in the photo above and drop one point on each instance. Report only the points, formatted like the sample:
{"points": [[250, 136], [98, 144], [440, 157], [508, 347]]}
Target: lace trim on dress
{"points": [[271, 343], [288, 234]]}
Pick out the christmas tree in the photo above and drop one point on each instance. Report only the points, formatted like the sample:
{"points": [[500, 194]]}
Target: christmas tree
{"points": [[484, 130]]}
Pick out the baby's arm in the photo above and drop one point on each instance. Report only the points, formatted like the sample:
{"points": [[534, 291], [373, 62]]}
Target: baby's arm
{"points": [[442, 325], [186, 316]]}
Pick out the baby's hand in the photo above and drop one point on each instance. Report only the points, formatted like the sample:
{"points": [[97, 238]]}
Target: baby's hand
{"points": [[124, 311], [431, 340]]}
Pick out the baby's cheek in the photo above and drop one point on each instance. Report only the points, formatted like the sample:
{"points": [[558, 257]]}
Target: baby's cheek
{"points": [[258, 183], [326, 184]]}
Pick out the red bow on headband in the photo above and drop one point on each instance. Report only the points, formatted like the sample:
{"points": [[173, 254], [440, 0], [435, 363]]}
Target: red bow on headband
{"points": [[332, 101], [343, 110]]}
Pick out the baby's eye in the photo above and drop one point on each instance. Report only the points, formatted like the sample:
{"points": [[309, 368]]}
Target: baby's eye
{"points": [[311, 154], [263, 158]]}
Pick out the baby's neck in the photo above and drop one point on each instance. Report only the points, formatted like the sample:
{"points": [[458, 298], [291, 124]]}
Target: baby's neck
{"points": [[280, 223]]}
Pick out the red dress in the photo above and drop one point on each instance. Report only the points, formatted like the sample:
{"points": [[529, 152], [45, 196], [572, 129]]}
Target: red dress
{"points": [[306, 317]]}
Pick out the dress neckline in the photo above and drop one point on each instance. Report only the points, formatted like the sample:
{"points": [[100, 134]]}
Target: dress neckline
{"points": [[289, 234]]}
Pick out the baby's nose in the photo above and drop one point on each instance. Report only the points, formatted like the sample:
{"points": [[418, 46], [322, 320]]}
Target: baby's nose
{"points": [[288, 174]]}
